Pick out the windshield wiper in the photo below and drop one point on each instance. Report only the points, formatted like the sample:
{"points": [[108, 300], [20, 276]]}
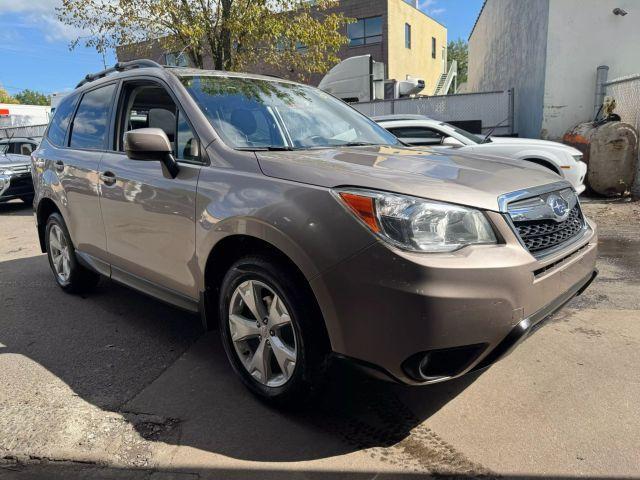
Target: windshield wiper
{"points": [[356, 144], [267, 148]]}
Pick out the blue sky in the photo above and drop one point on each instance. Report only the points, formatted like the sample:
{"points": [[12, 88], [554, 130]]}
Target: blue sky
{"points": [[34, 48]]}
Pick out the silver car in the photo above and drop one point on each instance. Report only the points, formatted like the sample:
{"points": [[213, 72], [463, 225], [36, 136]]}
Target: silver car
{"points": [[301, 228]]}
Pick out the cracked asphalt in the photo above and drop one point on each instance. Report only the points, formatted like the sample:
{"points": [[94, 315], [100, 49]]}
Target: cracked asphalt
{"points": [[117, 385]]}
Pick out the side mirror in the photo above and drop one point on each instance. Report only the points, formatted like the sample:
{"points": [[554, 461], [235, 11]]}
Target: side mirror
{"points": [[452, 142], [150, 144]]}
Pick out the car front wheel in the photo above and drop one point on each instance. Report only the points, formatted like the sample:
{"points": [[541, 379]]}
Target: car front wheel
{"points": [[270, 331]]}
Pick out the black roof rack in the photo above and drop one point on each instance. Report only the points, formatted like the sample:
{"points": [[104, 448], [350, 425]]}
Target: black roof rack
{"points": [[119, 67]]}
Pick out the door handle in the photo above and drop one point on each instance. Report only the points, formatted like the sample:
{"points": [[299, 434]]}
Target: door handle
{"points": [[59, 165], [109, 178]]}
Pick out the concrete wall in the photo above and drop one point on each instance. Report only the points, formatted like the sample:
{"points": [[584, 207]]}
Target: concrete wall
{"points": [[582, 35], [507, 49], [416, 61]]}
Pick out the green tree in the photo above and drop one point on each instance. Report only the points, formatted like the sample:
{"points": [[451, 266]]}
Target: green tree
{"points": [[459, 50], [232, 33], [31, 97], [5, 97]]}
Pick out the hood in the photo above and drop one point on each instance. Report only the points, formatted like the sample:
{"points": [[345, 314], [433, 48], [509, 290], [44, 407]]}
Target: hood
{"points": [[451, 176], [532, 142], [10, 159]]}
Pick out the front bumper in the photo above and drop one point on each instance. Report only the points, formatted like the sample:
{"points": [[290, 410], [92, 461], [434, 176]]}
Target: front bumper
{"points": [[15, 186], [384, 307]]}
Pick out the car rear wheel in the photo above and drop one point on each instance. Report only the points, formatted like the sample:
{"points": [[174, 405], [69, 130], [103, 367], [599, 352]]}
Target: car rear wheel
{"points": [[270, 331], [69, 274]]}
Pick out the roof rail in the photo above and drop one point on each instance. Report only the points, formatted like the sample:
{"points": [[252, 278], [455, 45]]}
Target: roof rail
{"points": [[119, 67]]}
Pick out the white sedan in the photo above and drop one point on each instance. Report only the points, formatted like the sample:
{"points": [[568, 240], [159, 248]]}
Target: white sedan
{"points": [[562, 159]]}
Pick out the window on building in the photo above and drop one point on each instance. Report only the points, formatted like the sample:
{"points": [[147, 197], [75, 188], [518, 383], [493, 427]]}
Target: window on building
{"points": [[176, 59], [365, 31], [407, 35], [433, 47]]}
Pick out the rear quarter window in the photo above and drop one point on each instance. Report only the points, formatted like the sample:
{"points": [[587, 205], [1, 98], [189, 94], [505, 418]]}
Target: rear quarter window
{"points": [[60, 121]]}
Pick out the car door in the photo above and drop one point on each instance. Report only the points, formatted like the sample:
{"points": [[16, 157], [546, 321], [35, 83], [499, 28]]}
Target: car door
{"points": [[149, 216], [76, 141]]}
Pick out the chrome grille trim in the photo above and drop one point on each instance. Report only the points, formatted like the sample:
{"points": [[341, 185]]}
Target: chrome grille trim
{"points": [[19, 168], [541, 228]]}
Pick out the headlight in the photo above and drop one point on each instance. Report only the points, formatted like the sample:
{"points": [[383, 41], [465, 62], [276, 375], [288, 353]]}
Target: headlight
{"points": [[577, 157], [418, 225]]}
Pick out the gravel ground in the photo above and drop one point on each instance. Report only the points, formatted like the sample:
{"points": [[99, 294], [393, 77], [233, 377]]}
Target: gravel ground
{"points": [[116, 385]]}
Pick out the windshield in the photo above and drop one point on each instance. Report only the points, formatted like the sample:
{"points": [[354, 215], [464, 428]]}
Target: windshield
{"points": [[258, 114], [469, 136]]}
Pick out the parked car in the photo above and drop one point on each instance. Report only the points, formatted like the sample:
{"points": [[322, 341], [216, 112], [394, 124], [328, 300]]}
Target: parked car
{"points": [[18, 145], [300, 226], [562, 159], [15, 176]]}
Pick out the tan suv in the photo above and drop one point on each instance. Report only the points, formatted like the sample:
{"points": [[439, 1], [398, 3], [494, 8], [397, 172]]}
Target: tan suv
{"points": [[303, 229]]}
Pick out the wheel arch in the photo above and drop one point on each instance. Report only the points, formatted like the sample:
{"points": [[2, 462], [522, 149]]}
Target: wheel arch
{"points": [[45, 208], [233, 247], [543, 162]]}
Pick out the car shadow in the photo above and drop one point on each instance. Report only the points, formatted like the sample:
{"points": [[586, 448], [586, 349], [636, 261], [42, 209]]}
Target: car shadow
{"points": [[16, 207], [130, 354]]}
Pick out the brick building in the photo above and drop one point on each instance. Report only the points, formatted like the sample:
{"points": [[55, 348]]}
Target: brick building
{"points": [[394, 32]]}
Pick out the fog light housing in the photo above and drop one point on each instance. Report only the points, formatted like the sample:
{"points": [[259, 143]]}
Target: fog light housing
{"points": [[434, 365]]}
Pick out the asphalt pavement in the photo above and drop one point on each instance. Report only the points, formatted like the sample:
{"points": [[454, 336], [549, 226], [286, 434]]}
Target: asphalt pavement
{"points": [[117, 385]]}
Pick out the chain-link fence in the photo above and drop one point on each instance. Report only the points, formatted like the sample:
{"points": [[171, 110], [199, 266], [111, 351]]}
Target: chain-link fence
{"points": [[33, 131], [626, 92], [491, 108]]}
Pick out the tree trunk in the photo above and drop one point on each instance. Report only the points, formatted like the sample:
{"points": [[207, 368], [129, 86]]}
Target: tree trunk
{"points": [[223, 62]]}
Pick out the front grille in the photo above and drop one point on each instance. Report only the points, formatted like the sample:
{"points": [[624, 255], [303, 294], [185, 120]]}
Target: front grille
{"points": [[20, 168], [540, 235]]}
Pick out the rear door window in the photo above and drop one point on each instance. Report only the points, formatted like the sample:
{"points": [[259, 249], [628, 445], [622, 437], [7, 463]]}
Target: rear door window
{"points": [[91, 123], [60, 121], [418, 135]]}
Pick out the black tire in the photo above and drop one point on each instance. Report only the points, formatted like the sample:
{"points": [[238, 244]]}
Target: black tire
{"points": [[80, 279], [312, 349], [28, 199]]}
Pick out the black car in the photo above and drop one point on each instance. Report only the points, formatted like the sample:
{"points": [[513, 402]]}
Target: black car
{"points": [[15, 177]]}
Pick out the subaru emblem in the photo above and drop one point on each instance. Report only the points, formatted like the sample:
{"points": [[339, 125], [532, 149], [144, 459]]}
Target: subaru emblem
{"points": [[559, 207]]}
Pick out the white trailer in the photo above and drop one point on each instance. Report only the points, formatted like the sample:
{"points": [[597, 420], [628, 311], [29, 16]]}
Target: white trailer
{"points": [[23, 115]]}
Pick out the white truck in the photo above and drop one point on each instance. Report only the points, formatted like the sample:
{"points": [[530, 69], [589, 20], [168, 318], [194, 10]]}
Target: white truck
{"points": [[22, 115], [361, 79]]}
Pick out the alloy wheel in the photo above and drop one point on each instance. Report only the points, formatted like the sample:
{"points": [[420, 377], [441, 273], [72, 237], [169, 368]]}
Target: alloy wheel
{"points": [[60, 254], [262, 333]]}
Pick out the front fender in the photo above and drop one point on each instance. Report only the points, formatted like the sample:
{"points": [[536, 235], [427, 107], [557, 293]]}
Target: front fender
{"points": [[306, 223]]}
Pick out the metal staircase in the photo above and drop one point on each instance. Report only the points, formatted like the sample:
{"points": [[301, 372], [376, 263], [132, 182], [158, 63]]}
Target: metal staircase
{"points": [[446, 79]]}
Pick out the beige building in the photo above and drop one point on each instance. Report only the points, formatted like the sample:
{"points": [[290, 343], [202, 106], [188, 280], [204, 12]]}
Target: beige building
{"points": [[394, 32], [417, 44]]}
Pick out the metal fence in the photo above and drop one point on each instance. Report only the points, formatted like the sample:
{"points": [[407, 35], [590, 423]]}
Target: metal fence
{"points": [[626, 91], [34, 131], [491, 108]]}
